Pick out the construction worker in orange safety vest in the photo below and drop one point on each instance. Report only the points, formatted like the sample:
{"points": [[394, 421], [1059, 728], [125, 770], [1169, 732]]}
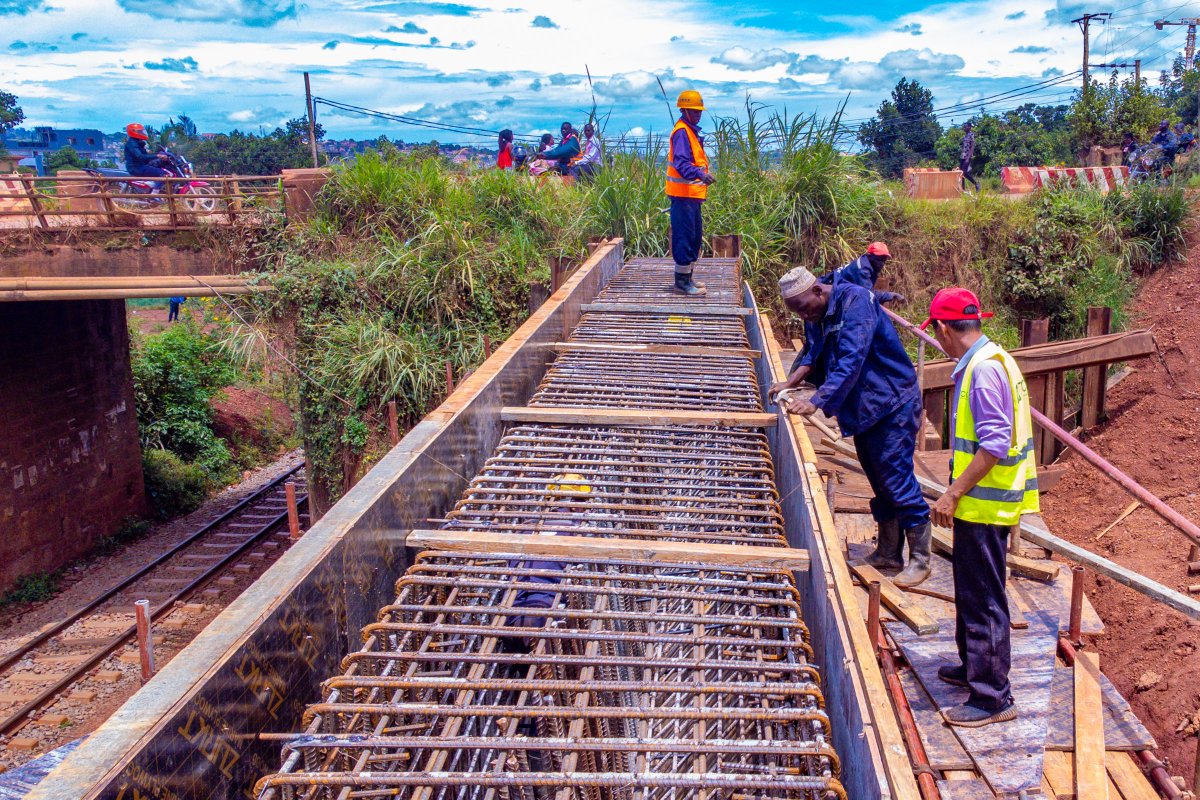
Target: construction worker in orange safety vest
{"points": [[687, 185]]}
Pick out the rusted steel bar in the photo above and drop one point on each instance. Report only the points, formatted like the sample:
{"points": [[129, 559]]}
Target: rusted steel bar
{"points": [[1076, 617], [1180, 522], [926, 780]]}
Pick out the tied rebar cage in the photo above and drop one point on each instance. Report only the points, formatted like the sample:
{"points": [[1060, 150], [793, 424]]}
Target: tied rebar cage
{"points": [[628, 680], [509, 676]]}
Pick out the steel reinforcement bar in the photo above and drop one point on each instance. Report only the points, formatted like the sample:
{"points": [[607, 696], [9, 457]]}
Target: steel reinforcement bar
{"points": [[499, 675]]}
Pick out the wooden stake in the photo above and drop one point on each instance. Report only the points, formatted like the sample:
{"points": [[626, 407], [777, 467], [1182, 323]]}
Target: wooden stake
{"points": [[449, 378], [393, 423], [1129, 509], [1099, 322], [289, 489], [487, 346], [141, 611]]}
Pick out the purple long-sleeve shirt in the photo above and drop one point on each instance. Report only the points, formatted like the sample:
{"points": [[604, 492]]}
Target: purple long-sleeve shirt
{"points": [[682, 158], [991, 401]]}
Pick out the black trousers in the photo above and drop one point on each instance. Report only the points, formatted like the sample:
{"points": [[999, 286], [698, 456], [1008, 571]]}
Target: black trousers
{"points": [[965, 166], [885, 451], [981, 627], [687, 231]]}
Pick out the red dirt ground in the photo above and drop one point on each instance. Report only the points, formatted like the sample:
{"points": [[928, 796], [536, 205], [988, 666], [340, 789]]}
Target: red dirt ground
{"points": [[1150, 652], [250, 416]]}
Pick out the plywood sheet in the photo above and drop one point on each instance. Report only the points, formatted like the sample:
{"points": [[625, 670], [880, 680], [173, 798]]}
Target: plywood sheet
{"points": [[942, 747], [965, 789], [1008, 755]]}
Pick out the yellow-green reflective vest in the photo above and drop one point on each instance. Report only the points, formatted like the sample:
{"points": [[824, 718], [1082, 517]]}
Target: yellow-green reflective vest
{"points": [[1010, 488]]}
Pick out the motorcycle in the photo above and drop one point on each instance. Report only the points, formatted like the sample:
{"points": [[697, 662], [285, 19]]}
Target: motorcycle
{"points": [[199, 197], [1150, 162]]}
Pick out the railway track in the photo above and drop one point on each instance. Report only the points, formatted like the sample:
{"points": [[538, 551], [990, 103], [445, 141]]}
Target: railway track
{"points": [[69, 651]]}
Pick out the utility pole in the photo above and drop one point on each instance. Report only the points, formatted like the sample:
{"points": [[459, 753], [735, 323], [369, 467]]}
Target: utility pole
{"points": [[1137, 68], [312, 123], [1084, 24]]}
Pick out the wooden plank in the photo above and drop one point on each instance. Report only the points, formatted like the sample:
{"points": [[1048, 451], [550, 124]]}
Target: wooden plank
{"points": [[1122, 729], [683, 309], [957, 787], [618, 416], [658, 349], [1128, 777], [467, 541], [1091, 779], [1099, 323], [942, 748], [943, 542], [1042, 359], [899, 603], [1059, 771]]}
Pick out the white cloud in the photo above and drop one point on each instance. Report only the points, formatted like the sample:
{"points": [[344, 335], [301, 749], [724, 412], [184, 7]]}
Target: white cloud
{"points": [[741, 58]]}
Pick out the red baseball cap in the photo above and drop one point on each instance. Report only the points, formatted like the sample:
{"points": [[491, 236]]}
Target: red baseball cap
{"points": [[879, 249], [954, 303]]}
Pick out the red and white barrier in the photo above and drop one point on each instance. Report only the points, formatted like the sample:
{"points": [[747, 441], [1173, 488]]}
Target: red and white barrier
{"points": [[1020, 180]]}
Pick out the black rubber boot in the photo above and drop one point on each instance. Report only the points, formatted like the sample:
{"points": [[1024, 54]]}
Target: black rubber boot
{"points": [[919, 540], [889, 547], [684, 285]]}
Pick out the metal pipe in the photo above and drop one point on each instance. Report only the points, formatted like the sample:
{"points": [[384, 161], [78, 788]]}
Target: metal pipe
{"points": [[141, 610], [926, 781], [1182, 523], [1075, 631]]}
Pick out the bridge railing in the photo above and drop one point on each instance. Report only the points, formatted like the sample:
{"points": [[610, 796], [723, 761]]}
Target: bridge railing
{"points": [[80, 199]]}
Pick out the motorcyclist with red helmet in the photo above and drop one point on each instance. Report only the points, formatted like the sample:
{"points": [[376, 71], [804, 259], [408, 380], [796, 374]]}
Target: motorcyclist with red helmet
{"points": [[139, 161]]}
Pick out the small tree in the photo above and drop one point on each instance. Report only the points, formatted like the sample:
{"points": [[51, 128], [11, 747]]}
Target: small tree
{"points": [[904, 132], [67, 158], [11, 114]]}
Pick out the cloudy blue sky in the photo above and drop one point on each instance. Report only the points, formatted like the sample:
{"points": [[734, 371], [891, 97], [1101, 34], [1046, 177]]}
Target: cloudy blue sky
{"points": [[521, 63]]}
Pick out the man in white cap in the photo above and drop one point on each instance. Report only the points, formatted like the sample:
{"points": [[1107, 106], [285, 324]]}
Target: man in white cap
{"points": [[866, 380]]}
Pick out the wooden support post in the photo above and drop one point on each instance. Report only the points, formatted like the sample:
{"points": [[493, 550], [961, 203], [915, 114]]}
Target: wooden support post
{"points": [[233, 198], [727, 246], [1037, 331], [141, 611], [487, 346], [393, 423], [920, 388], [934, 409], [109, 205], [1074, 631], [289, 490], [1099, 322], [1091, 777], [449, 378], [1055, 410], [172, 190], [555, 273], [35, 204], [873, 595]]}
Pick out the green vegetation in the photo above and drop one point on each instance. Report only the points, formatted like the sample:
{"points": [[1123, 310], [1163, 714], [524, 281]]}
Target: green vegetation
{"points": [[67, 158], [173, 486], [32, 589], [410, 262]]}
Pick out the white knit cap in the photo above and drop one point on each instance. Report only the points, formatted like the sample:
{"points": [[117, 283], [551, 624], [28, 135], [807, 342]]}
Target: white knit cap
{"points": [[796, 282]]}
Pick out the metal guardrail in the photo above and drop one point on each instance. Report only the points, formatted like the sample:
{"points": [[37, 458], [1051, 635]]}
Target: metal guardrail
{"points": [[110, 203]]}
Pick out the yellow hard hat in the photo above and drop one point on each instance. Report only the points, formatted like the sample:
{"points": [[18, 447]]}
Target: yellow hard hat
{"points": [[571, 484], [690, 98]]}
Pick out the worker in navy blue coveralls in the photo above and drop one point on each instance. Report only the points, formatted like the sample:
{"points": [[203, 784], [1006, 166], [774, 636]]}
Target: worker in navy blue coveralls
{"points": [[687, 185], [866, 380]]}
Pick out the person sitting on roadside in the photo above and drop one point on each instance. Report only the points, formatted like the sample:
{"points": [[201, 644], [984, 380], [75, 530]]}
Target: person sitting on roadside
{"points": [[1183, 139], [567, 149], [1129, 146], [536, 165], [139, 161], [1164, 138], [589, 161]]}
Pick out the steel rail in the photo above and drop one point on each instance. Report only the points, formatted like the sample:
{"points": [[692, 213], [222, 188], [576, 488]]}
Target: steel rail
{"points": [[16, 718]]}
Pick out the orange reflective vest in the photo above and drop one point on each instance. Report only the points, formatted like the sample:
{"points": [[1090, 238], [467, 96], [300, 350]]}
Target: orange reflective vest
{"points": [[677, 185]]}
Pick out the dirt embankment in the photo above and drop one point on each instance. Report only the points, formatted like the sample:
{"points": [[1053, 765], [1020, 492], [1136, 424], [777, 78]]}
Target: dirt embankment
{"points": [[1150, 652]]}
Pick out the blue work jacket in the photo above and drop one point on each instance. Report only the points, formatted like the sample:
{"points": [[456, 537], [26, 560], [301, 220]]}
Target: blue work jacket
{"points": [[860, 271], [864, 372]]}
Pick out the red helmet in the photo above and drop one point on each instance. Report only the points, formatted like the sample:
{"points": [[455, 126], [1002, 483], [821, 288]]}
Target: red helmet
{"points": [[136, 131]]}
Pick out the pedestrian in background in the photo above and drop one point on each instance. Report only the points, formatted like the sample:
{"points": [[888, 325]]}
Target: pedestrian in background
{"points": [[504, 160], [966, 154], [173, 305]]}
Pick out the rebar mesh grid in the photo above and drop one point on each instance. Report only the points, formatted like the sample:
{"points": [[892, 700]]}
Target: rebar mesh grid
{"points": [[649, 380], [619, 327], [666, 483], [650, 281], [629, 680]]}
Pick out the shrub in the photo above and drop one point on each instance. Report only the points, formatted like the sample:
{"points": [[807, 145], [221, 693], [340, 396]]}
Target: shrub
{"points": [[173, 487], [32, 589]]}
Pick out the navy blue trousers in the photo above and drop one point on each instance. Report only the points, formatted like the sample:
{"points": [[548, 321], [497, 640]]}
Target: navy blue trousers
{"points": [[687, 231], [981, 623], [885, 451]]}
